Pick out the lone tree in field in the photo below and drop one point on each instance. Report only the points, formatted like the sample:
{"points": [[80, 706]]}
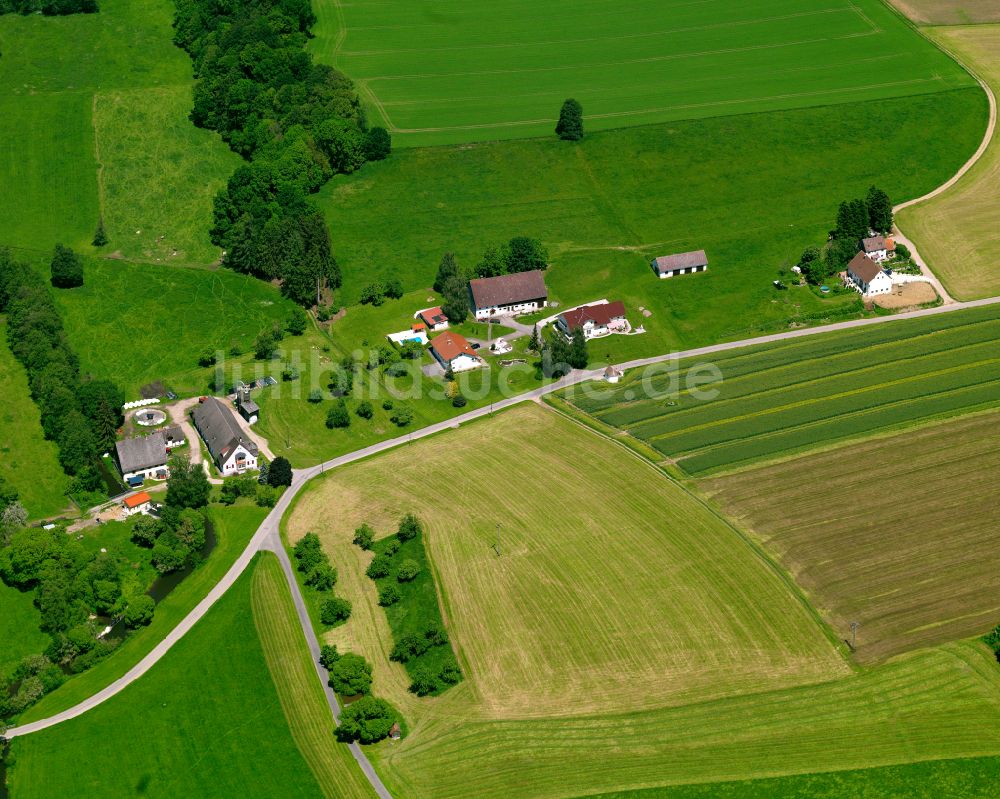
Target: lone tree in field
{"points": [[67, 268], [570, 124], [100, 237]]}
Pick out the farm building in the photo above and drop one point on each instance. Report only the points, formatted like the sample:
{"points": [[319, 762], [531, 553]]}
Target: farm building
{"points": [[231, 449], [137, 503], [248, 409], [433, 318], [142, 458], [508, 295], [867, 276], [454, 352], [595, 320], [613, 374], [173, 436], [681, 264], [878, 248]]}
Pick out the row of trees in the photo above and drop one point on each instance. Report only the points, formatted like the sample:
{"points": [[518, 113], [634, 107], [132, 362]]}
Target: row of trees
{"points": [[314, 564], [367, 719], [50, 8], [81, 415], [296, 122], [520, 254]]}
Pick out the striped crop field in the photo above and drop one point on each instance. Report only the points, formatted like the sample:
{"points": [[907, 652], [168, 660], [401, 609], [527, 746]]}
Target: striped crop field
{"points": [[460, 72], [898, 534], [768, 402], [616, 590]]}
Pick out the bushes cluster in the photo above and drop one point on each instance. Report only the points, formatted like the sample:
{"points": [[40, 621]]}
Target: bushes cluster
{"points": [[176, 537], [560, 356], [368, 719], [992, 640], [80, 415], [296, 122], [520, 254], [414, 645]]}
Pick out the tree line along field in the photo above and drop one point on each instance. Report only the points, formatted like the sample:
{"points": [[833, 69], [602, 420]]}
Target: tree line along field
{"points": [[956, 231], [897, 533], [94, 113], [688, 185], [799, 394], [461, 73], [595, 607]]}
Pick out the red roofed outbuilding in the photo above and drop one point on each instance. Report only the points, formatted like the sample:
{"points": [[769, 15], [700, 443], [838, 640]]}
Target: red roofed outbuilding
{"points": [[595, 320]]}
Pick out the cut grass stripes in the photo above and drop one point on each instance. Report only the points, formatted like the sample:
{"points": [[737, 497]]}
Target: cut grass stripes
{"points": [[299, 691]]}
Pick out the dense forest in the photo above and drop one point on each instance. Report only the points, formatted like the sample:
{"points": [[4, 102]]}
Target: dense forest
{"points": [[80, 415], [297, 123]]}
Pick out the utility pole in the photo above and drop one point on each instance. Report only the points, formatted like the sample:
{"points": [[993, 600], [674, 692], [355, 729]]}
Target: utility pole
{"points": [[854, 634]]}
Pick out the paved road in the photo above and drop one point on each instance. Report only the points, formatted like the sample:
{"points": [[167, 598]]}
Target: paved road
{"points": [[267, 534]]}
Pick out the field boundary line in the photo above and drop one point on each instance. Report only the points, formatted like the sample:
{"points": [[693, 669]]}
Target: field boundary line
{"points": [[97, 157], [753, 545]]}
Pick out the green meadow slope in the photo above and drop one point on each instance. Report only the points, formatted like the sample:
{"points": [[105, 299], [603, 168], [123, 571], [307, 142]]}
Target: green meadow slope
{"points": [[93, 113]]}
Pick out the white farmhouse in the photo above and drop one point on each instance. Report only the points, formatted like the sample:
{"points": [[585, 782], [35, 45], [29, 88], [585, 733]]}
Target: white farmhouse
{"points": [[878, 248], [508, 295], [868, 276], [454, 352], [142, 458], [231, 449]]}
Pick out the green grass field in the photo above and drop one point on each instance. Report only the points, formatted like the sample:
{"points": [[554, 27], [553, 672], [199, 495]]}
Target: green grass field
{"points": [[28, 462], [752, 190], [19, 619], [457, 73], [896, 533], [234, 526], [615, 590], [94, 112], [299, 690], [774, 400], [206, 721], [956, 232]]}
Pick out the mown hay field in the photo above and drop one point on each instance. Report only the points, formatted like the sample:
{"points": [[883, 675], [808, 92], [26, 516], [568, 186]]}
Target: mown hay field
{"points": [[898, 533], [940, 703], [616, 590], [461, 72], [768, 402], [949, 12], [956, 231]]}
